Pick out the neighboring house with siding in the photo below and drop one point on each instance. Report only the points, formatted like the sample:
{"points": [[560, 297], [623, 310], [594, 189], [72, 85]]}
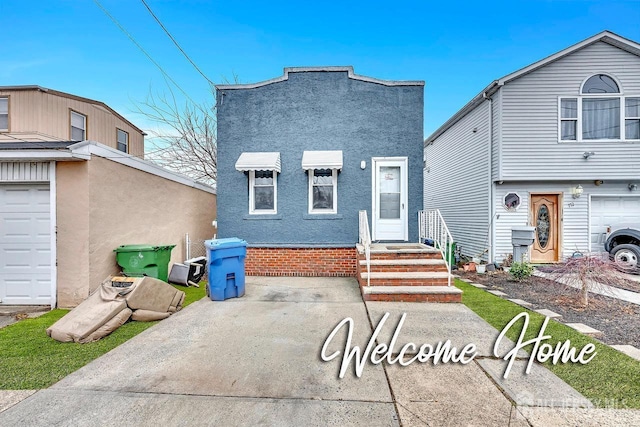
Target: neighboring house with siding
{"points": [[554, 145], [66, 202], [300, 155], [35, 113]]}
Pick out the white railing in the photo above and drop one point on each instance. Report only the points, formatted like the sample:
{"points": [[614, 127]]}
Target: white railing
{"points": [[432, 227], [364, 238]]}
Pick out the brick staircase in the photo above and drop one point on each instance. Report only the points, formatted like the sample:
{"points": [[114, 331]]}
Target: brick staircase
{"points": [[408, 272]]}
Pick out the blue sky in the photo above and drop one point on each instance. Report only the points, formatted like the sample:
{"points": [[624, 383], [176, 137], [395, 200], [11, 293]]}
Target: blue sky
{"points": [[456, 47]]}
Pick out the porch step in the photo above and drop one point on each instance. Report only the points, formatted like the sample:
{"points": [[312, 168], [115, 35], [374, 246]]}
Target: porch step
{"points": [[410, 262], [405, 278], [399, 248], [412, 293], [404, 265], [406, 275]]}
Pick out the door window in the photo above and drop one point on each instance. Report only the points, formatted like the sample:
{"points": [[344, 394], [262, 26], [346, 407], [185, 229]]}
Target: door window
{"points": [[389, 184]]}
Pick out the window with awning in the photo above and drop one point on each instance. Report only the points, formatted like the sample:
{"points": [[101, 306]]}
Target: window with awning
{"points": [[263, 169], [323, 167]]}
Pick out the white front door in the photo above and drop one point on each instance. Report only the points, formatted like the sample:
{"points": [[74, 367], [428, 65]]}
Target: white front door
{"points": [[25, 244], [390, 198]]}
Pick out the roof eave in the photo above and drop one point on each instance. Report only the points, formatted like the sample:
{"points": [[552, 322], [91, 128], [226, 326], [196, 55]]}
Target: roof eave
{"points": [[348, 69]]}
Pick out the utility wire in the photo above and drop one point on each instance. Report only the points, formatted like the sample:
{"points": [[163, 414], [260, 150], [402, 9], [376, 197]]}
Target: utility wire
{"points": [[164, 73], [176, 43]]}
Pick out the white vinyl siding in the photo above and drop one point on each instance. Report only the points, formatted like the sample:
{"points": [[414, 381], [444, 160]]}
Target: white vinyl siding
{"points": [[457, 180], [496, 135], [24, 171], [575, 233], [530, 143]]}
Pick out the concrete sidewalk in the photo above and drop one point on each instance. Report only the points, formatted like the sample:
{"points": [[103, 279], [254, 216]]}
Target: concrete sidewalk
{"points": [[256, 361]]}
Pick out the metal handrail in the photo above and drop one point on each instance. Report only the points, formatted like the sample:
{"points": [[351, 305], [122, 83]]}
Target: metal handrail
{"points": [[364, 238], [431, 226]]}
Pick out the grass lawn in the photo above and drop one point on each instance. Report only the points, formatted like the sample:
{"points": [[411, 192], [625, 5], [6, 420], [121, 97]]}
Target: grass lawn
{"points": [[611, 379], [30, 360]]}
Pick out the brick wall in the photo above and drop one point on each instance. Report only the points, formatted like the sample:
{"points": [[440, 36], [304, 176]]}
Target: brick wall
{"points": [[301, 262]]}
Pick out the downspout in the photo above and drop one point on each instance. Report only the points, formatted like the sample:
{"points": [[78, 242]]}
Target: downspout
{"points": [[491, 232]]}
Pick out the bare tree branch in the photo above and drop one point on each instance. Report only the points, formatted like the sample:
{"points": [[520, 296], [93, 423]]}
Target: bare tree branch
{"points": [[185, 141]]}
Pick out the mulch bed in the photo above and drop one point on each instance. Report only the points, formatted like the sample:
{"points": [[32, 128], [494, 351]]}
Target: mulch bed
{"points": [[618, 320]]}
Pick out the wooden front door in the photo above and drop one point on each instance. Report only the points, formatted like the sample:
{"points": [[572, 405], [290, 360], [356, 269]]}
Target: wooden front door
{"points": [[544, 209]]}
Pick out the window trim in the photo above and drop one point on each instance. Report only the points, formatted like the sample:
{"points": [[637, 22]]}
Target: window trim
{"points": [[118, 142], [8, 129], [504, 201], [86, 124], [334, 182], [579, 136], [614, 78], [252, 182]]}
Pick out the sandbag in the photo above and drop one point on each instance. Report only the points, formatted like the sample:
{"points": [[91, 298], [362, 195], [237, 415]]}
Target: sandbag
{"points": [[149, 316]]}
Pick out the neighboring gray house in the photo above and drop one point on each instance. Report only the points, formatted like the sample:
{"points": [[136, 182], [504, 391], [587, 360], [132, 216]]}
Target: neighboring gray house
{"points": [[555, 145], [300, 155]]}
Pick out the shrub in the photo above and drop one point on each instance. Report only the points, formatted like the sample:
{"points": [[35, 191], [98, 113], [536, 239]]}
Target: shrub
{"points": [[507, 260], [521, 270]]}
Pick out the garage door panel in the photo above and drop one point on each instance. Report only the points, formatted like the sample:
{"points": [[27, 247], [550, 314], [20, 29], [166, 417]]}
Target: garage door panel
{"points": [[612, 212], [25, 258], [25, 239], [20, 227], [25, 198]]}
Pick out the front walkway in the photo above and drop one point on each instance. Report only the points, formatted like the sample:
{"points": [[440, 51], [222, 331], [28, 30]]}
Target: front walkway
{"points": [[598, 288], [256, 360]]}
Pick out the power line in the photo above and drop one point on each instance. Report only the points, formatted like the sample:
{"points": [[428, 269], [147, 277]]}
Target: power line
{"points": [[176, 43], [164, 73]]}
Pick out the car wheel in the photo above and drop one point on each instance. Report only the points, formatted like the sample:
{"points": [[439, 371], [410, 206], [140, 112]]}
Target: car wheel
{"points": [[626, 257]]}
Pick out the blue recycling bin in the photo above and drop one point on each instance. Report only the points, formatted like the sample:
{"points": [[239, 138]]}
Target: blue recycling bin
{"points": [[226, 268]]}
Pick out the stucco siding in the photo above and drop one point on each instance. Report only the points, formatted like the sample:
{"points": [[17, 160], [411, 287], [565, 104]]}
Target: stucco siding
{"points": [[530, 147], [103, 204], [457, 180], [315, 111], [72, 208]]}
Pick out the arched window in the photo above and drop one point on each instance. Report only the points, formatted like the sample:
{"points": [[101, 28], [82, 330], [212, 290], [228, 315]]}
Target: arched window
{"points": [[600, 112], [600, 83]]}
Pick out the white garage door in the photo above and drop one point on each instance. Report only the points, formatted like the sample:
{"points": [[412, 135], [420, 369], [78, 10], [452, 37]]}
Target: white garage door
{"points": [[25, 244], [611, 212]]}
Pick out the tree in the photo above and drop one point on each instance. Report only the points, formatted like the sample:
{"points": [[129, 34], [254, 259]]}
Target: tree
{"points": [[587, 273], [185, 140]]}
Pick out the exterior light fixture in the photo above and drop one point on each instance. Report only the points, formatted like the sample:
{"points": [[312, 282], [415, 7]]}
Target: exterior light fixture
{"points": [[633, 187], [588, 154], [363, 165], [577, 192]]}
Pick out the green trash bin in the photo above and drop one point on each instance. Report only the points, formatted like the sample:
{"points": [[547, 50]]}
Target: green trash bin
{"points": [[450, 253], [144, 260]]}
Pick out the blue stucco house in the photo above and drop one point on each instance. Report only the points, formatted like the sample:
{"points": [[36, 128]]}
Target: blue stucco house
{"points": [[300, 155]]}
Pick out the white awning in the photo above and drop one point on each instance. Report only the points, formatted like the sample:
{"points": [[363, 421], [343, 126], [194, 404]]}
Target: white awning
{"points": [[259, 162], [322, 160]]}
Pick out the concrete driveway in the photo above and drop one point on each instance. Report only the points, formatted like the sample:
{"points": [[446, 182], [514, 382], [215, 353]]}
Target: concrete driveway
{"points": [[256, 361]]}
